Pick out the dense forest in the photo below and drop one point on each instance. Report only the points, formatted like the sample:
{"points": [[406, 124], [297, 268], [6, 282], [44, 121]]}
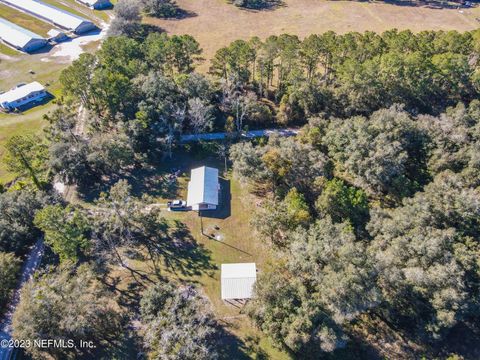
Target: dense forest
{"points": [[373, 210], [373, 218]]}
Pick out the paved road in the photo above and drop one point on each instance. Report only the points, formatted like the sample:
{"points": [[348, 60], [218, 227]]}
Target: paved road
{"points": [[246, 135], [30, 265]]}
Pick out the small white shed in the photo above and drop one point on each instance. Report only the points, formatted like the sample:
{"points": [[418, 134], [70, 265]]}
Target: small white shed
{"points": [[238, 280], [203, 189]]}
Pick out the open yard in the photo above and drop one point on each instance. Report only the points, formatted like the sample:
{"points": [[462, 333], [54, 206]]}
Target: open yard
{"points": [[215, 23], [198, 260]]}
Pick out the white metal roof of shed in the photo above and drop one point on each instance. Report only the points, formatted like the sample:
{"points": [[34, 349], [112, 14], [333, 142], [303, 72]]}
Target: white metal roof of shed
{"points": [[203, 186], [16, 35], [238, 280], [52, 13], [20, 92]]}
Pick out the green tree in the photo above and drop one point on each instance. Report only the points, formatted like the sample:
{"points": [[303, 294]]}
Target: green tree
{"points": [[67, 304], [178, 323], [426, 255], [76, 79], [161, 8], [385, 154], [322, 284], [343, 203], [17, 229], [26, 155], [9, 268], [65, 229]]}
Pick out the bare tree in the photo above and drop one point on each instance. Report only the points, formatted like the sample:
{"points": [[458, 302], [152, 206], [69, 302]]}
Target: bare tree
{"points": [[200, 115], [240, 103]]}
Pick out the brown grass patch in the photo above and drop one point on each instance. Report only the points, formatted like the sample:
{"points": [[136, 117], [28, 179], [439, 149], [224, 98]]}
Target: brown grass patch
{"points": [[218, 23]]}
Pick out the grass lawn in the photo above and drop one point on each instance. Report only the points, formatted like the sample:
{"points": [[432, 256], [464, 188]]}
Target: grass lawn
{"points": [[13, 70], [200, 264], [216, 23], [77, 9], [24, 20], [8, 51]]}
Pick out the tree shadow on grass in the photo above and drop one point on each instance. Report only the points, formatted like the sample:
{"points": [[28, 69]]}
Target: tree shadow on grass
{"points": [[179, 252], [149, 180], [230, 346]]}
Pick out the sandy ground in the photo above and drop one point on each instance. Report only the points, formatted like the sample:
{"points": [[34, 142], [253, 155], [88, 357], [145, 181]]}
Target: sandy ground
{"points": [[71, 50], [215, 23]]}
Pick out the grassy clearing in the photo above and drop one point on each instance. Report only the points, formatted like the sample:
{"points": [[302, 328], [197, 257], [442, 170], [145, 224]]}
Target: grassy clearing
{"points": [[17, 125], [201, 265], [24, 20], [7, 50], [216, 23]]}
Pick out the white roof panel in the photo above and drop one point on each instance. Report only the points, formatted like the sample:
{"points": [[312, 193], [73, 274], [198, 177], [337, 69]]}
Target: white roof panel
{"points": [[20, 92], [55, 15], [203, 186], [16, 35], [238, 280]]}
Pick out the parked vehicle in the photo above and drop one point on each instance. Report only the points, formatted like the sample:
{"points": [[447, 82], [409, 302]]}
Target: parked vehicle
{"points": [[177, 205]]}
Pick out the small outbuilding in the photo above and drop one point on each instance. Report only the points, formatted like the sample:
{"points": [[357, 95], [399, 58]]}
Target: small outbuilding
{"points": [[238, 280], [22, 95], [96, 4], [203, 189], [57, 35]]}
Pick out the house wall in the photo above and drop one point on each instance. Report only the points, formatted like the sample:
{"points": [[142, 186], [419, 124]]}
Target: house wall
{"points": [[34, 96]]}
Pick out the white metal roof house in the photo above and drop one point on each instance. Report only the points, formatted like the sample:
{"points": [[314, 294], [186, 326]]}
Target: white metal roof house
{"points": [[96, 4], [52, 14], [22, 95], [203, 189], [20, 38], [238, 280]]}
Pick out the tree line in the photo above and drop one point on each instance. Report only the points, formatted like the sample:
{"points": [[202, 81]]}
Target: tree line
{"points": [[354, 73]]}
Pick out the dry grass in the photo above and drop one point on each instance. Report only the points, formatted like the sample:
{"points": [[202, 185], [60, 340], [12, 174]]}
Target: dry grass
{"points": [[24, 20], [217, 23]]}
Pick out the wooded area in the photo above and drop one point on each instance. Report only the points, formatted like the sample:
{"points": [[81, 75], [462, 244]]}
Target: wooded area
{"points": [[372, 210]]}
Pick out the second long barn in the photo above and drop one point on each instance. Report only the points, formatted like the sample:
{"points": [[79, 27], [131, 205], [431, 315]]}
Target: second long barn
{"points": [[54, 15]]}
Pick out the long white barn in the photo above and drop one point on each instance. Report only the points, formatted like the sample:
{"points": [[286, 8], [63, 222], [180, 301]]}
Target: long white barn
{"points": [[96, 4], [20, 38], [56, 16], [22, 95]]}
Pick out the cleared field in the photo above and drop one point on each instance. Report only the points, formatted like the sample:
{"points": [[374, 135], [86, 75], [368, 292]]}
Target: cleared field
{"points": [[24, 20], [215, 23]]}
